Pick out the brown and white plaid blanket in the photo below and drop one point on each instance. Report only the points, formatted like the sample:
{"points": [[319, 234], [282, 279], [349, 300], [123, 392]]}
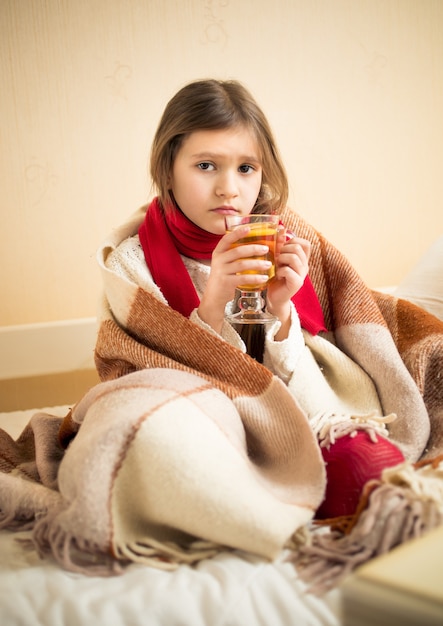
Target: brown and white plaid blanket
{"points": [[399, 345], [189, 446]]}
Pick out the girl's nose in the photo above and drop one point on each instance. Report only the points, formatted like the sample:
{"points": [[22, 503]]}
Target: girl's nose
{"points": [[227, 185]]}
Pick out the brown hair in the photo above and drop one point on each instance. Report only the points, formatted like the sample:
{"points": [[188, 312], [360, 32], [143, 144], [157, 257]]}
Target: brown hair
{"points": [[213, 105]]}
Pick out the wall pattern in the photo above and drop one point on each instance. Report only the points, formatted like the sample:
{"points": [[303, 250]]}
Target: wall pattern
{"points": [[352, 88]]}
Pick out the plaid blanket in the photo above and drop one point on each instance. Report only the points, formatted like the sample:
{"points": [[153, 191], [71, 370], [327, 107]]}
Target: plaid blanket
{"points": [[397, 344], [189, 446]]}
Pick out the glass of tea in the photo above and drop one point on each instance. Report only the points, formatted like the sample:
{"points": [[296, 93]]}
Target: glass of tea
{"points": [[251, 299]]}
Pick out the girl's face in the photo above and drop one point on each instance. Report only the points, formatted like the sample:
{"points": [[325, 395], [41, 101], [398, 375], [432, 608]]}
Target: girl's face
{"points": [[216, 173]]}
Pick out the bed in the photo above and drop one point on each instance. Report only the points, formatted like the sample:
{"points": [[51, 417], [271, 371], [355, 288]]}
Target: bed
{"points": [[230, 589]]}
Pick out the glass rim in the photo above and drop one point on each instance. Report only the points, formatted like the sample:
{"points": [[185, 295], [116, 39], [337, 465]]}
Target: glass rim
{"points": [[238, 220]]}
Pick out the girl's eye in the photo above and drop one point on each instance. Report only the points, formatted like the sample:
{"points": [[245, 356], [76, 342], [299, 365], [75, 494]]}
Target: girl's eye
{"points": [[205, 166], [245, 169]]}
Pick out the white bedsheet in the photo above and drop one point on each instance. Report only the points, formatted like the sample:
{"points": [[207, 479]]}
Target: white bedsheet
{"points": [[232, 589]]}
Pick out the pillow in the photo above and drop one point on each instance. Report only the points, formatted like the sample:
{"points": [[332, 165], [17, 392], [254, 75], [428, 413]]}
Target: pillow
{"points": [[424, 283]]}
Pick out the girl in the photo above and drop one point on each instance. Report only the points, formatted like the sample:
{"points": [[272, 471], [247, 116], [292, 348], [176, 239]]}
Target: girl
{"points": [[214, 155]]}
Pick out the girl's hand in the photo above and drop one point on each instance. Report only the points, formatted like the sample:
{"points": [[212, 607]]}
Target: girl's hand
{"points": [[226, 262], [291, 269]]}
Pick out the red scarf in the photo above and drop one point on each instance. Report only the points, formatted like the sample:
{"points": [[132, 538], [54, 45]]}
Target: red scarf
{"points": [[164, 236]]}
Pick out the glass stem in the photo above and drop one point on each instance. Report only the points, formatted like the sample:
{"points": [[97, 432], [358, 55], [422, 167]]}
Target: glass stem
{"points": [[251, 301]]}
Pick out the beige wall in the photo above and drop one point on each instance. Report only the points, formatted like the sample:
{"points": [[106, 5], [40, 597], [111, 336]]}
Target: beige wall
{"points": [[353, 90]]}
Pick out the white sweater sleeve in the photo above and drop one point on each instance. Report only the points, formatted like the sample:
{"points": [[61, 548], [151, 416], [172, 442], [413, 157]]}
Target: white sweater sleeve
{"points": [[281, 357], [227, 332]]}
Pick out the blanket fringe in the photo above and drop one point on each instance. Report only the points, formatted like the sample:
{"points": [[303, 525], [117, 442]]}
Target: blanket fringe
{"points": [[82, 556], [167, 555], [405, 504], [331, 426], [74, 554]]}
